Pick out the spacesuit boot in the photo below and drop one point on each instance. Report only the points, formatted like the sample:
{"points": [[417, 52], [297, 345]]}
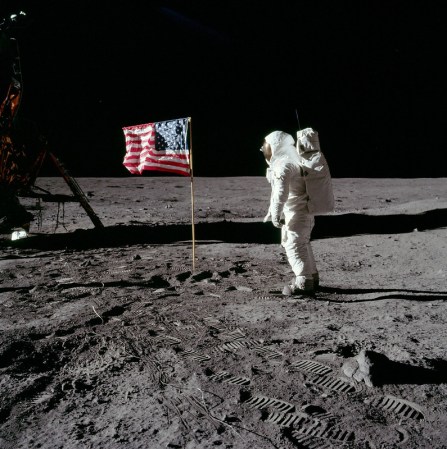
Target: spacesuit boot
{"points": [[302, 286]]}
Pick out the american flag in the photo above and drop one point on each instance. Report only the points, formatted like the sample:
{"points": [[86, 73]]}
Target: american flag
{"points": [[159, 146]]}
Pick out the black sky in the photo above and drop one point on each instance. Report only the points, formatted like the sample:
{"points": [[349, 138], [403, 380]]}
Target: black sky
{"points": [[368, 75]]}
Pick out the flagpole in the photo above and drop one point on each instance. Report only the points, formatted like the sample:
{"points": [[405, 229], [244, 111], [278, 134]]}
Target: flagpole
{"points": [[192, 197]]}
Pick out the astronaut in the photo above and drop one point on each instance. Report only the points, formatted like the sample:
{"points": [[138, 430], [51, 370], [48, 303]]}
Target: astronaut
{"points": [[289, 211]]}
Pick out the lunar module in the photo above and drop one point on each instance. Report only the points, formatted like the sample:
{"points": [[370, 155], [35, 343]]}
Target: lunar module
{"points": [[22, 149]]}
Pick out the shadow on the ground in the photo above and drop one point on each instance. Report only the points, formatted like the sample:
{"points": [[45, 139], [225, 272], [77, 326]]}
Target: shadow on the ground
{"points": [[374, 294], [343, 225], [384, 371], [403, 373]]}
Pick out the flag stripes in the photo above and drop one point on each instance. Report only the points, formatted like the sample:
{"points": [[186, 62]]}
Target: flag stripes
{"points": [[158, 146]]}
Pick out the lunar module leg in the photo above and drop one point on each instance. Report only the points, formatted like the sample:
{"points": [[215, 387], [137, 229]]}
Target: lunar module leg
{"points": [[77, 191]]}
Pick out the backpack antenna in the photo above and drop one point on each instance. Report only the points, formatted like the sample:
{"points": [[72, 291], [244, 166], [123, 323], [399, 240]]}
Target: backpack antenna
{"points": [[297, 118]]}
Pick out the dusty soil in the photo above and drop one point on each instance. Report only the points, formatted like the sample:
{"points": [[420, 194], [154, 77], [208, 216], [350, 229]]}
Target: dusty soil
{"points": [[113, 338]]}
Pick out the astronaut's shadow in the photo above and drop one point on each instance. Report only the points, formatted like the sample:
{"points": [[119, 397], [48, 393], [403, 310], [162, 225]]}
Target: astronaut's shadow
{"points": [[381, 294]]}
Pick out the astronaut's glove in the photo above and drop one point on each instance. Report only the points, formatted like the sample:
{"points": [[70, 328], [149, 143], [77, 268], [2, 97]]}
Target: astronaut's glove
{"points": [[267, 217], [277, 222]]}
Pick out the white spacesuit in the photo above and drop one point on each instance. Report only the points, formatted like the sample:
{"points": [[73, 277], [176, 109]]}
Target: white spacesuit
{"points": [[289, 210]]}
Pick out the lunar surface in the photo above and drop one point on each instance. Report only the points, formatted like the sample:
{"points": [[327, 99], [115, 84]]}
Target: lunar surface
{"points": [[153, 333]]}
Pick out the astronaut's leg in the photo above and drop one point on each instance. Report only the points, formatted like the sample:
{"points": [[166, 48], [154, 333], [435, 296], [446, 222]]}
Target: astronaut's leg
{"points": [[299, 253], [311, 259]]}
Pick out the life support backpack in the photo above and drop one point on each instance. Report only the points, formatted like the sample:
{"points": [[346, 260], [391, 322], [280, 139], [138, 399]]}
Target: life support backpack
{"points": [[316, 172]]}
